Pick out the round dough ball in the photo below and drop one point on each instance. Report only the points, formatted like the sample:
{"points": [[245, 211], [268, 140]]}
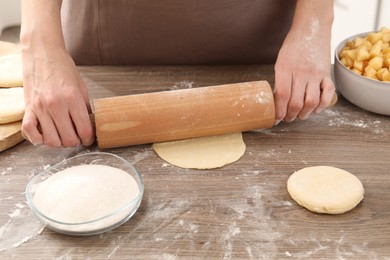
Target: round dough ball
{"points": [[325, 189], [204, 152], [11, 70], [11, 105]]}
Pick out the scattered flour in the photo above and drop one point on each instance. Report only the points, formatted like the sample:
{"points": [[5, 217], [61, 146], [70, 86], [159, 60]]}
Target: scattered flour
{"points": [[340, 247], [15, 213], [21, 227], [264, 98], [269, 153], [342, 122], [232, 231], [340, 119], [264, 131], [7, 171], [113, 252], [141, 155], [182, 85]]}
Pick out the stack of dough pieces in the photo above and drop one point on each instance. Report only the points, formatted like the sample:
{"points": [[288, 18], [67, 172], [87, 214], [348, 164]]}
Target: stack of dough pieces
{"points": [[11, 95]]}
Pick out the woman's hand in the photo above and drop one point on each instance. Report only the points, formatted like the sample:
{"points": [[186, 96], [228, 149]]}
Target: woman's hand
{"points": [[303, 82], [57, 104]]}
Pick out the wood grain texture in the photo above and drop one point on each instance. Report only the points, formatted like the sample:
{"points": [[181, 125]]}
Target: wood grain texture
{"points": [[181, 114], [10, 135], [241, 211]]}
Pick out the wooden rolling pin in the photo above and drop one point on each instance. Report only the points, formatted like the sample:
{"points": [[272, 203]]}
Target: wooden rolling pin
{"points": [[180, 114], [186, 113]]}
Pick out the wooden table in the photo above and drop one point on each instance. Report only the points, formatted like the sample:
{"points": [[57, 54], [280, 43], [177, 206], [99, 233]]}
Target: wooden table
{"points": [[242, 210]]}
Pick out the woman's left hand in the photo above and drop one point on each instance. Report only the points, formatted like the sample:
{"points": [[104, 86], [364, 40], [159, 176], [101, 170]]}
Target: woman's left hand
{"points": [[303, 81]]}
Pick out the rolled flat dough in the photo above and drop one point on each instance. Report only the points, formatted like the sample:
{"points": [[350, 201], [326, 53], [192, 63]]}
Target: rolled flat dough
{"points": [[11, 105], [202, 153], [85, 193], [325, 189], [11, 70]]}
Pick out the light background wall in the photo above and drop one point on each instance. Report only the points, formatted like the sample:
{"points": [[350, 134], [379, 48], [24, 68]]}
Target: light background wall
{"points": [[9, 13], [358, 16]]}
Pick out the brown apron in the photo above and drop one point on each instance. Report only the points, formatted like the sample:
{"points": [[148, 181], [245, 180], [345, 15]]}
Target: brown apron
{"points": [[174, 32]]}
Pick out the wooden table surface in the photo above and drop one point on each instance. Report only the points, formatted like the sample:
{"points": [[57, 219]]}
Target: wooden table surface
{"points": [[242, 210]]}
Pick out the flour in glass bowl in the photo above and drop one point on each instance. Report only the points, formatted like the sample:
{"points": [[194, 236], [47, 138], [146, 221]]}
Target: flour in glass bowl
{"points": [[84, 193]]}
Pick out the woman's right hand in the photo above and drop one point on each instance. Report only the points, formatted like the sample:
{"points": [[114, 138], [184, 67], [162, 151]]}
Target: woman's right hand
{"points": [[57, 104]]}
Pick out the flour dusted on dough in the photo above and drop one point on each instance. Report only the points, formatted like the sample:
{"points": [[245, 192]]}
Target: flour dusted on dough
{"points": [[84, 193], [204, 152], [11, 70], [325, 189], [11, 105]]}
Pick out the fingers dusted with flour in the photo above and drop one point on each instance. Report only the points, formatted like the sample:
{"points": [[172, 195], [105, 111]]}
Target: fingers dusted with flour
{"points": [[302, 71], [57, 105]]}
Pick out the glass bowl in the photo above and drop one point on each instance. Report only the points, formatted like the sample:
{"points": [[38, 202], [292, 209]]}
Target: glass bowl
{"points": [[102, 223]]}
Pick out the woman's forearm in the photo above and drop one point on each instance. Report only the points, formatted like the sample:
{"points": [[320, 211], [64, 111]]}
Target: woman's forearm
{"points": [[57, 102], [41, 25], [302, 71], [315, 15]]}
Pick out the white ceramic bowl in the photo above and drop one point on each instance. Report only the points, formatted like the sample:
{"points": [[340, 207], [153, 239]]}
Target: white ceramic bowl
{"points": [[371, 95], [100, 224]]}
